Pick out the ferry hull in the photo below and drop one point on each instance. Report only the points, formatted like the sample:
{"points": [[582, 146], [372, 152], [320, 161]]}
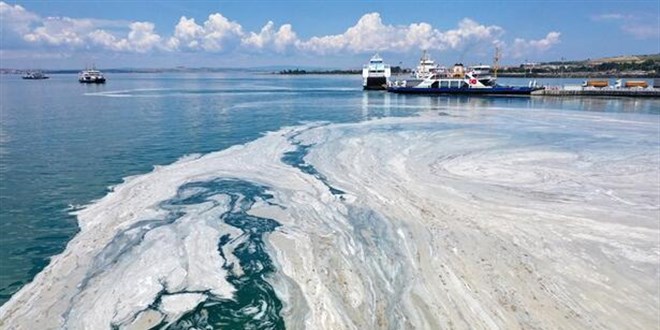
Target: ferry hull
{"points": [[375, 83], [504, 90], [95, 81]]}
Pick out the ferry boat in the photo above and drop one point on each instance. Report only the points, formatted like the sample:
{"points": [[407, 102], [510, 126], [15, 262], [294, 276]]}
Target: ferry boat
{"points": [[459, 80], [91, 76], [376, 74], [34, 75]]}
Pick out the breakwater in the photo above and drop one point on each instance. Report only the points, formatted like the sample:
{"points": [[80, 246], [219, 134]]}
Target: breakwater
{"points": [[655, 92]]}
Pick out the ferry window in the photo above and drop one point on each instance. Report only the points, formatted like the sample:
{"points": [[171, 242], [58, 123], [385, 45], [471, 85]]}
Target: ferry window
{"points": [[444, 84], [465, 85], [454, 84]]}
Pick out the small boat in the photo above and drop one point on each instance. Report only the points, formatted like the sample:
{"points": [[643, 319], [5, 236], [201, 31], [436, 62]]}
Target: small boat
{"points": [[34, 75], [376, 74], [91, 76], [459, 80]]}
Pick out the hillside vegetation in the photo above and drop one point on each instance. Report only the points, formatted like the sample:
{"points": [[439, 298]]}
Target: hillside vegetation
{"points": [[627, 66]]}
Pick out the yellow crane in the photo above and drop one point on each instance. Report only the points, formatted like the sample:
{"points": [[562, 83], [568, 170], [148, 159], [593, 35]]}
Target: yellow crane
{"points": [[496, 61]]}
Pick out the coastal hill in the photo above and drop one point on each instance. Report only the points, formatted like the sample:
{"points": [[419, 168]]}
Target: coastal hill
{"points": [[626, 59], [624, 66]]}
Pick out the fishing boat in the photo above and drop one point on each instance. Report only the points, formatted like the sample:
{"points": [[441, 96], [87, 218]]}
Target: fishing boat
{"points": [[459, 80], [376, 74], [34, 75], [91, 76]]}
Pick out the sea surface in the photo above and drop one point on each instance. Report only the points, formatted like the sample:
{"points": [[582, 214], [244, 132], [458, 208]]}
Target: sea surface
{"points": [[254, 200]]}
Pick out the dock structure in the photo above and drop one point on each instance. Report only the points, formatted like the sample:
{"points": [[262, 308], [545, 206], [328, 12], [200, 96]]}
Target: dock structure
{"points": [[631, 92]]}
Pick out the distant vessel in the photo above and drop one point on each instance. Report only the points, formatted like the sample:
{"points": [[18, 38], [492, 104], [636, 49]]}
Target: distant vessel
{"points": [[34, 75], [91, 76], [459, 80], [376, 74]]}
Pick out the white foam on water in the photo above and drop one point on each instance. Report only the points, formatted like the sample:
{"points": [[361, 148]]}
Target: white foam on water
{"points": [[126, 92], [472, 220], [84, 287]]}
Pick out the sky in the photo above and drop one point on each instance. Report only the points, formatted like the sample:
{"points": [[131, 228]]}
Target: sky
{"points": [[319, 34]]}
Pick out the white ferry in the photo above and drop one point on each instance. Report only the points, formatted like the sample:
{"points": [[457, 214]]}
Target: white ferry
{"points": [[459, 80], [91, 76], [376, 74], [34, 75]]}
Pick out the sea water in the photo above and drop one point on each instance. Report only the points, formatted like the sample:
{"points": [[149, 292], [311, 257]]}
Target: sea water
{"points": [[252, 200]]}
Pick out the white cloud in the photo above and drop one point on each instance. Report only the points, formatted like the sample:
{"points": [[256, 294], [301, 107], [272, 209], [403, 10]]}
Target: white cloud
{"points": [[609, 17], [370, 34], [284, 37], [218, 29], [642, 26], [522, 47], [61, 31], [470, 31], [186, 34], [16, 18], [219, 34], [107, 40], [142, 37], [544, 44], [278, 40], [641, 31], [213, 35], [80, 33]]}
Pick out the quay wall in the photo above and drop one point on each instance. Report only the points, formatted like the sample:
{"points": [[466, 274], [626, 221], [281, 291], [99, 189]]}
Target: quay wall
{"points": [[654, 92]]}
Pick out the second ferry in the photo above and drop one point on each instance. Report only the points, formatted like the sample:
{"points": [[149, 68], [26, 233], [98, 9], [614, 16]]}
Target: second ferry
{"points": [[91, 76], [376, 74], [432, 79]]}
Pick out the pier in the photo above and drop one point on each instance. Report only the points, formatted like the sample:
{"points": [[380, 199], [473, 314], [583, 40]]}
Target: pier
{"points": [[646, 92]]}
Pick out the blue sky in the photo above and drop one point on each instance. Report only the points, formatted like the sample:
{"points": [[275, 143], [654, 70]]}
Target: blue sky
{"points": [[330, 34]]}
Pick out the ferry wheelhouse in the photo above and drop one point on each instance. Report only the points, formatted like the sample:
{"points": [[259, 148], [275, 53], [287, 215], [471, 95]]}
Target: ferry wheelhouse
{"points": [[483, 74]]}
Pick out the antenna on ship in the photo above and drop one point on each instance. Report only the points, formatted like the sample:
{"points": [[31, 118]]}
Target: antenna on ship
{"points": [[496, 61]]}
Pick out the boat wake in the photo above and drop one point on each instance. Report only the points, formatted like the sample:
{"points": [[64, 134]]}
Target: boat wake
{"points": [[240, 90], [496, 219]]}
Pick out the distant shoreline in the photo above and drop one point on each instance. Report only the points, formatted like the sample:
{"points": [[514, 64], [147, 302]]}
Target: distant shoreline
{"points": [[297, 72]]}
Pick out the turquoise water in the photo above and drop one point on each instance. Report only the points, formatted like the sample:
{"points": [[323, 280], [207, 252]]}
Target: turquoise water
{"points": [[62, 145]]}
